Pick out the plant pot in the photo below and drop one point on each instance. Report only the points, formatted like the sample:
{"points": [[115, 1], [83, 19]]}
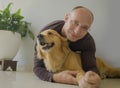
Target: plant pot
{"points": [[9, 44]]}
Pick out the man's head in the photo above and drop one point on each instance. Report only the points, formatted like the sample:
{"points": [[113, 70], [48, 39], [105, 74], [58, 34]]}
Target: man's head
{"points": [[77, 23]]}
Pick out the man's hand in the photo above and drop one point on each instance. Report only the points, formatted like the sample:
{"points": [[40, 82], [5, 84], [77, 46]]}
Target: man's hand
{"points": [[68, 77], [90, 80]]}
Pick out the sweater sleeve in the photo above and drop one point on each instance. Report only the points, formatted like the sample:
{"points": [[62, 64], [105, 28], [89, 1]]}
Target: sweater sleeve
{"points": [[88, 56], [87, 49], [89, 61], [40, 70]]}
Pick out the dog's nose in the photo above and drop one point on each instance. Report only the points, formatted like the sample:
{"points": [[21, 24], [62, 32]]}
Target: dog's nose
{"points": [[40, 36]]}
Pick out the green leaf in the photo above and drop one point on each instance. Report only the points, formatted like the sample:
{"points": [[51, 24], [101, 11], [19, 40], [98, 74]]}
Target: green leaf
{"points": [[31, 34], [17, 15], [6, 11]]}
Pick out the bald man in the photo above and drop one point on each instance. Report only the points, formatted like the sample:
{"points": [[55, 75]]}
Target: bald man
{"points": [[74, 27]]}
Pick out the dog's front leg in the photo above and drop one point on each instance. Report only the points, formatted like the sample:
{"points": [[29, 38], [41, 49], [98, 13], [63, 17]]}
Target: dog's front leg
{"points": [[80, 75]]}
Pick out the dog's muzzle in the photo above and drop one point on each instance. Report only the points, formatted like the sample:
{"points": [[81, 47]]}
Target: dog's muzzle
{"points": [[43, 43]]}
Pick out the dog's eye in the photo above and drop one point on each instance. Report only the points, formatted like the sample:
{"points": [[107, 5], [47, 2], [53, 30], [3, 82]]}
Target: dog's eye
{"points": [[50, 33]]}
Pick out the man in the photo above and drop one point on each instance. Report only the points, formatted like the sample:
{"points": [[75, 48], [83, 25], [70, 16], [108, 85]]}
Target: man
{"points": [[75, 28]]}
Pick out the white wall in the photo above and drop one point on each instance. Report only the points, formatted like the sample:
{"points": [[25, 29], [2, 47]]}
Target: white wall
{"points": [[105, 28]]}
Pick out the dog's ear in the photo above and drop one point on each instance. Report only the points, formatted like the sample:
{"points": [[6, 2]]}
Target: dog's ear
{"points": [[64, 43], [63, 40], [65, 46]]}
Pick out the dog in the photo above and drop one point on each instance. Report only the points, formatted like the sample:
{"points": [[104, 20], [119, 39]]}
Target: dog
{"points": [[57, 56]]}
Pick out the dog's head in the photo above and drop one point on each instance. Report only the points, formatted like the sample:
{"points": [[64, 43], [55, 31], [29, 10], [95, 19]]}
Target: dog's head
{"points": [[49, 40]]}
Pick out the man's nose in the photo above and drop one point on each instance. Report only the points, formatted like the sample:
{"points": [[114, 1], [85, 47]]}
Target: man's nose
{"points": [[77, 30]]}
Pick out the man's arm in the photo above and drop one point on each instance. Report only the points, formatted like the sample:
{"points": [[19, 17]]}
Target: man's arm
{"points": [[88, 55], [92, 76], [87, 49], [40, 70], [89, 61]]}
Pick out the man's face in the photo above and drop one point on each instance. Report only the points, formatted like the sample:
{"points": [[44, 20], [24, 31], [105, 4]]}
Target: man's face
{"points": [[77, 24]]}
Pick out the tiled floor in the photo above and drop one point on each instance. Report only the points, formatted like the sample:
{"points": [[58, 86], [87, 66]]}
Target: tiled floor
{"points": [[10, 79]]}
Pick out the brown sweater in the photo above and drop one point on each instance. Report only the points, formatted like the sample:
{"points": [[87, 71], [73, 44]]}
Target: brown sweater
{"points": [[86, 46]]}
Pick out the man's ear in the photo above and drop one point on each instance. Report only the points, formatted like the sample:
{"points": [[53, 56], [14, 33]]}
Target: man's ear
{"points": [[66, 17]]}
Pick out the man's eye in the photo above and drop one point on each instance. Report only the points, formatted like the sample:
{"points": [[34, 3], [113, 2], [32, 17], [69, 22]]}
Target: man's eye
{"points": [[85, 28], [76, 23]]}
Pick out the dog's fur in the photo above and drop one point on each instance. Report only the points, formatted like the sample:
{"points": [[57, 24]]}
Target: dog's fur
{"points": [[57, 56]]}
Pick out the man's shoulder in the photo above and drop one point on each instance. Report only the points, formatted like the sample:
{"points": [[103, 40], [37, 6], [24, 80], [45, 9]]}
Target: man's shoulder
{"points": [[90, 43], [89, 36], [56, 22], [87, 42], [86, 38]]}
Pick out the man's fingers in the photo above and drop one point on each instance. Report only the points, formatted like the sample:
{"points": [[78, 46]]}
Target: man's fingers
{"points": [[92, 77], [73, 76], [74, 81], [84, 84], [73, 72]]}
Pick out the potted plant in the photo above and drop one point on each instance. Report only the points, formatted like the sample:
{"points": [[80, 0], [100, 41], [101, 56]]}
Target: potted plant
{"points": [[12, 29], [14, 22]]}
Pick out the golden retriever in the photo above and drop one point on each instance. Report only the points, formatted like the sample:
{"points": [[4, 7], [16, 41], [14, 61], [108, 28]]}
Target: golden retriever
{"points": [[57, 56]]}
